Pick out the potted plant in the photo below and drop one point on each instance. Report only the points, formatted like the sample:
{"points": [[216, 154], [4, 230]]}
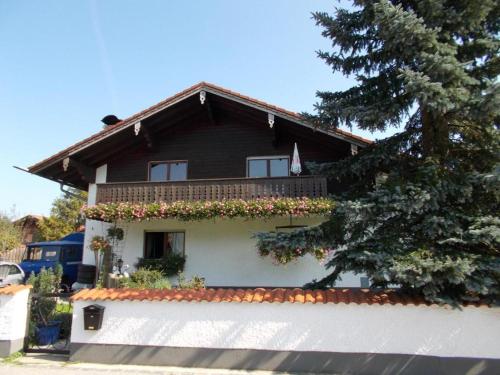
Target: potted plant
{"points": [[170, 264], [45, 329], [103, 248]]}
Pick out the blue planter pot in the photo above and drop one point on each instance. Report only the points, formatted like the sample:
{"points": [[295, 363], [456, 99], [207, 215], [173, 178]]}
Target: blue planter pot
{"points": [[46, 335]]}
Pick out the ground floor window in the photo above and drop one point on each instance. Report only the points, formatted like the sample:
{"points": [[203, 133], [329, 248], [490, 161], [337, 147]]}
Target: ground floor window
{"points": [[159, 244]]}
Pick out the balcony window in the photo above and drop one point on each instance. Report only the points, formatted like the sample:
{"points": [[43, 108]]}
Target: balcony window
{"points": [[168, 171], [274, 166], [159, 244]]}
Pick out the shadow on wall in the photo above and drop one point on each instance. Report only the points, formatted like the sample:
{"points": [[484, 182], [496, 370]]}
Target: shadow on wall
{"points": [[311, 362], [247, 359]]}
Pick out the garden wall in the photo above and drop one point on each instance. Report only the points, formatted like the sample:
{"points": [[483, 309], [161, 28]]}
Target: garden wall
{"points": [[13, 318], [288, 330]]}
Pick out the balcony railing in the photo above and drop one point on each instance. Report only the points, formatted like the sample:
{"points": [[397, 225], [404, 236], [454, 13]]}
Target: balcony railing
{"points": [[212, 189]]}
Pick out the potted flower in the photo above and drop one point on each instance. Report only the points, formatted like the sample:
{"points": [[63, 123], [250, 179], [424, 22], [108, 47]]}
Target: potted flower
{"points": [[99, 245]]}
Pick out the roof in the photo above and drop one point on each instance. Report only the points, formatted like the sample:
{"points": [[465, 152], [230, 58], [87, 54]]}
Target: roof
{"points": [[55, 243], [28, 217], [10, 290], [71, 239], [202, 86], [75, 236], [257, 295]]}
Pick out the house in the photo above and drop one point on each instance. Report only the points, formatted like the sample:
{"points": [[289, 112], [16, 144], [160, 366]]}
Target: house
{"points": [[28, 225], [198, 174], [205, 144]]}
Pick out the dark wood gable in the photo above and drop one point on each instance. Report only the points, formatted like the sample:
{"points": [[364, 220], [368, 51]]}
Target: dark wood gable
{"points": [[213, 128], [217, 142]]}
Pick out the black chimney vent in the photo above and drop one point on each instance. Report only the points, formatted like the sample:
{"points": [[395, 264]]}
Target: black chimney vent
{"points": [[110, 120]]}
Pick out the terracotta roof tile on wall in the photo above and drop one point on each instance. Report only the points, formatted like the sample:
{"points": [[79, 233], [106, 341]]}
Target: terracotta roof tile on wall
{"points": [[164, 103], [10, 290], [257, 295]]}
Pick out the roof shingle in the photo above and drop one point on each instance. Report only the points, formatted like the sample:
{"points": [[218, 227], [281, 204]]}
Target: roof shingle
{"points": [[257, 295], [10, 290]]}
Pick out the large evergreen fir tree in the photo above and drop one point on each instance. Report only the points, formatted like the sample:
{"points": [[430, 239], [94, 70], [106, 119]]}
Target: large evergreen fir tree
{"points": [[422, 208]]}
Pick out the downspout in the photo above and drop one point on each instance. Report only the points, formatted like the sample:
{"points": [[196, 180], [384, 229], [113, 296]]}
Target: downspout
{"points": [[68, 193]]}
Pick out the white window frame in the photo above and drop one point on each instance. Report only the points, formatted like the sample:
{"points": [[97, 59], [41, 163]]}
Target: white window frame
{"points": [[152, 162], [269, 165]]}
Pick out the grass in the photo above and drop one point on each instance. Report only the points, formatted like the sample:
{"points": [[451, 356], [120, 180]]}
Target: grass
{"points": [[70, 363], [13, 358], [63, 307]]}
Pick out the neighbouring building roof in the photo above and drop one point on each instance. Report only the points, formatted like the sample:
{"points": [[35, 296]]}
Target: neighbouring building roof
{"points": [[29, 217], [202, 86], [257, 295], [29, 227]]}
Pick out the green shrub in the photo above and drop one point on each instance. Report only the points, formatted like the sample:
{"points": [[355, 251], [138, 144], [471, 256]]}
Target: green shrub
{"points": [[195, 282], [145, 278], [48, 281], [169, 265], [45, 284]]}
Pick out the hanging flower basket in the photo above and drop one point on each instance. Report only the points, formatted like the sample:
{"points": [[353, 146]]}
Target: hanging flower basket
{"points": [[100, 244]]}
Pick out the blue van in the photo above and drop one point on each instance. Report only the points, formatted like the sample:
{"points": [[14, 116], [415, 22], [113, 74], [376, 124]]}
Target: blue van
{"points": [[68, 252]]}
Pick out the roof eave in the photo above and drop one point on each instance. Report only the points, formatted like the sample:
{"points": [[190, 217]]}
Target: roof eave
{"points": [[202, 86]]}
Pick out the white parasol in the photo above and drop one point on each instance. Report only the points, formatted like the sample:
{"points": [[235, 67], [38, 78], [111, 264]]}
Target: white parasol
{"points": [[296, 167]]}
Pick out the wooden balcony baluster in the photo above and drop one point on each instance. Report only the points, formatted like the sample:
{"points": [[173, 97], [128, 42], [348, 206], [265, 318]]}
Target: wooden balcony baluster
{"points": [[212, 189]]}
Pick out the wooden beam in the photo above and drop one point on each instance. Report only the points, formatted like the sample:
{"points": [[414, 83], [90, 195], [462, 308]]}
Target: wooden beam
{"points": [[276, 134], [86, 173], [147, 136], [210, 110]]}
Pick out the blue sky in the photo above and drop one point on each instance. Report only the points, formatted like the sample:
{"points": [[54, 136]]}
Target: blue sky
{"points": [[65, 65]]}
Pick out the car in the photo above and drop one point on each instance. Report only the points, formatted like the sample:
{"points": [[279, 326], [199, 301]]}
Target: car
{"points": [[67, 252], [10, 273]]}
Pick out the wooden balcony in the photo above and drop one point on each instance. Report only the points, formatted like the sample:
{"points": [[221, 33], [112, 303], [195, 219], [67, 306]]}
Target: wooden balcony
{"points": [[212, 189]]}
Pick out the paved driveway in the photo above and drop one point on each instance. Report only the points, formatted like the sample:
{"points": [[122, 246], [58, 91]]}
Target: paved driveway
{"points": [[43, 364]]}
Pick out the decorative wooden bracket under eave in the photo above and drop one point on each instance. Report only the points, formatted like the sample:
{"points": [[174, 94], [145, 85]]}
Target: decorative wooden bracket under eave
{"points": [[270, 119], [86, 173], [205, 100], [139, 128], [354, 149]]}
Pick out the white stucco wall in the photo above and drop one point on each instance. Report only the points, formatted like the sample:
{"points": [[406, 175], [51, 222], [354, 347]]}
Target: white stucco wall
{"points": [[439, 331], [101, 174], [13, 315], [91, 225], [223, 252]]}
